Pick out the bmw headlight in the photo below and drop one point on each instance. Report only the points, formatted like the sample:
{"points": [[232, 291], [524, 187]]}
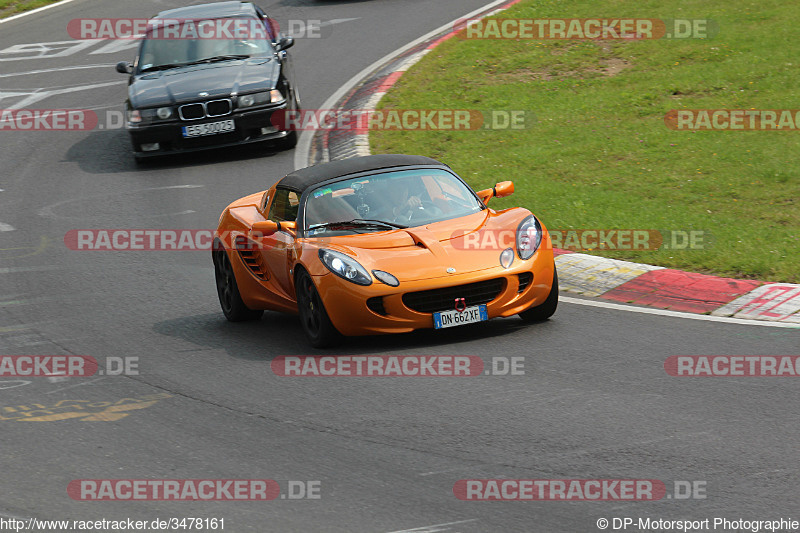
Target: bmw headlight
{"points": [[345, 267], [529, 237], [146, 116], [134, 116], [266, 97]]}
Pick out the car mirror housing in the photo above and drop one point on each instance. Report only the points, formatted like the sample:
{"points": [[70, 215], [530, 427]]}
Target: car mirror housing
{"points": [[503, 189], [123, 67], [268, 227], [500, 190], [285, 43]]}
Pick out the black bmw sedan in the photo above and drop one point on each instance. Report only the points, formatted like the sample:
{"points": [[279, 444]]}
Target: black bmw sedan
{"points": [[209, 76]]}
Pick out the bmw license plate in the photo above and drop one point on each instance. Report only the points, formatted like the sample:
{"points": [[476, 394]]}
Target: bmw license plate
{"points": [[210, 128], [470, 315]]}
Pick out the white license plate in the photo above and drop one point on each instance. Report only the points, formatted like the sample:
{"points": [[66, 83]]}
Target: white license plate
{"points": [[210, 128], [470, 315]]}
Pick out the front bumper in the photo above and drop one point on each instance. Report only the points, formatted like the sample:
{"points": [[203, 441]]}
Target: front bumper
{"points": [[347, 307], [170, 139]]}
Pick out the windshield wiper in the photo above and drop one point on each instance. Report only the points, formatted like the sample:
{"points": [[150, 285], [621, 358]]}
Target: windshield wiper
{"points": [[359, 222], [164, 67], [214, 59]]}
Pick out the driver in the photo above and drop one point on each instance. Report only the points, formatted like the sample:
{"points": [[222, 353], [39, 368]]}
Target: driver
{"points": [[394, 200]]}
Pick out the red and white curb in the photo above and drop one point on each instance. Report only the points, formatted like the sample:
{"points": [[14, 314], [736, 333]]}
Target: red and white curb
{"points": [[588, 275], [677, 290]]}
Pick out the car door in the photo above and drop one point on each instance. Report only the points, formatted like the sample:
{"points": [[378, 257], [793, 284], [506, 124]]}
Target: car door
{"points": [[278, 249]]}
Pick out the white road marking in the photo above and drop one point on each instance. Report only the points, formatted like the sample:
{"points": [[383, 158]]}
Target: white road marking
{"points": [[312, 27], [434, 528], [38, 95], [677, 314], [301, 153], [76, 385], [4, 385], [14, 270], [6, 227], [45, 50], [31, 12], [47, 211], [59, 69]]}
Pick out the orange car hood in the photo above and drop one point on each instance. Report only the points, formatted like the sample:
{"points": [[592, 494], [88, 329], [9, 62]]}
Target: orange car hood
{"points": [[428, 251]]}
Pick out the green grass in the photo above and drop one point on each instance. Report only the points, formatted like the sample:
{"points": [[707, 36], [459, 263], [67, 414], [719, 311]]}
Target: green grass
{"points": [[600, 155], [13, 7]]}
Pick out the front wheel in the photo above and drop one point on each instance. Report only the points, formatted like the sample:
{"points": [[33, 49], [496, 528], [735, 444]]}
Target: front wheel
{"points": [[230, 299], [318, 327], [290, 141], [546, 309]]}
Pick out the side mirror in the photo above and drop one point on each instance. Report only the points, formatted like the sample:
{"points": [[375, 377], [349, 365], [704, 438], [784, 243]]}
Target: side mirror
{"points": [[500, 190], [123, 67], [284, 43], [503, 189], [268, 227]]}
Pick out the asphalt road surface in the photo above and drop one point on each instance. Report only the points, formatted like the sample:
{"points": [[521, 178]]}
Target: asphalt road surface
{"points": [[382, 454]]}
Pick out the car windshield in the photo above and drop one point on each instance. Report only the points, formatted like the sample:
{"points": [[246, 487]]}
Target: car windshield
{"points": [[161, 50], [387, 201]]}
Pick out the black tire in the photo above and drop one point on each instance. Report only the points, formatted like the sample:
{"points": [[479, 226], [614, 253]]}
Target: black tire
{"points": [[317, 326], [288, 142], [546, 309], [230, 300]]}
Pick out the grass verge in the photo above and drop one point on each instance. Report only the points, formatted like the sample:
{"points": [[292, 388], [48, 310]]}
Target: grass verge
{"points": [[600, 154], [14, 7]]}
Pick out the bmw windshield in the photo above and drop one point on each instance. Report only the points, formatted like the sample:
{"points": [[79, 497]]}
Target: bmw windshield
{"points": [[190, 42]]}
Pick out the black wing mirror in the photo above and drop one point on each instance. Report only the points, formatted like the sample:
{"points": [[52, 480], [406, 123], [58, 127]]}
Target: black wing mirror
{"points": [[284, 43], [123, 67]]}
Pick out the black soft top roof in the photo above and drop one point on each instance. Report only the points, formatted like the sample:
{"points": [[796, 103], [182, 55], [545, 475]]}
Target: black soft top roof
{"points": [[302, 179]]}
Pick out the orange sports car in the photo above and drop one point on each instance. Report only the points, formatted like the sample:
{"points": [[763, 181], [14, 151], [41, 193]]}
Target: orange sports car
{"points": [[382, 244]]}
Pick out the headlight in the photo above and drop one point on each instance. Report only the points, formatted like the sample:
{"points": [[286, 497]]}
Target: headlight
{"points": [[529, 237], [145, 116], [345, 267], [266, 97]]}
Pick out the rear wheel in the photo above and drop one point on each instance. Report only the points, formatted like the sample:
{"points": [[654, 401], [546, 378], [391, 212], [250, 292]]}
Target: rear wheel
{"points": [[546, 309], [230, 300], [318, 327]]}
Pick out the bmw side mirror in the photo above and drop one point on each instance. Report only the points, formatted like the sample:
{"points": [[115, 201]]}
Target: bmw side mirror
{"points": [[123, 67], [284, 43]]}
